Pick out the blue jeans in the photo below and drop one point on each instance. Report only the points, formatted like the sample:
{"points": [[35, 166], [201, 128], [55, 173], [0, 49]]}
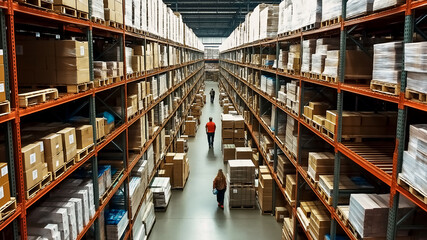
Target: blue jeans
{"points": [[211, 138]]}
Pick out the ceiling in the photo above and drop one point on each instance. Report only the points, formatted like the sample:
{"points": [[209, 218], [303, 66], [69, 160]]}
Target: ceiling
{"points": [[214, 18]]}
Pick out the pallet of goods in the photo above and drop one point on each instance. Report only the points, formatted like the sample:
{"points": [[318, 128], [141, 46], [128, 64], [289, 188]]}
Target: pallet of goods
{"points": [[241, 182]]}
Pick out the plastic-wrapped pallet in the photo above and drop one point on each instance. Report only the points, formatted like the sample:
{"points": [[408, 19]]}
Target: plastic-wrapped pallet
{"points": [[98, 9], [297, 14], [161, 189], [387, 65], [271, 86], [331, 9], [416, 66], [150, 159], [129, 13], [311, 13], [255, 22], [285, 16], [116, 221], [308, 48], [414, 167], [269, 20], [149, 217], [143, 15], [356, 8], [128, 55], [294, 56], [369, 212], [241, 171], [381, 4], [136, 15]]}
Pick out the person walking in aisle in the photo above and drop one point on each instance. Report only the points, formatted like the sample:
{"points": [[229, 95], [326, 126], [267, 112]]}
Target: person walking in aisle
{"points": [[210, 131], [220, 185], [212, 93]]}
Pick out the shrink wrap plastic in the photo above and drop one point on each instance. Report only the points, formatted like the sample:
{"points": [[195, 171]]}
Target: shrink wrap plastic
{"points": [[416, 66], [128, 13], [98, 9], [331, 9], [387, 63], [381, 4], [357, 8]]}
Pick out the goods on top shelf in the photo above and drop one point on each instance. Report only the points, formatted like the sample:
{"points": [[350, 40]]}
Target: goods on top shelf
{"points": [[416, 65]]}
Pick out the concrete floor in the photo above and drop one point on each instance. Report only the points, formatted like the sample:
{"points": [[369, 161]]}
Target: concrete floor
{"points": [[193, 213]]}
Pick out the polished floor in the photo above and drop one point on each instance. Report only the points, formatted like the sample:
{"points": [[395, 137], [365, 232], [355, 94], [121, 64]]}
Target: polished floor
{"points": [[193, 213]]}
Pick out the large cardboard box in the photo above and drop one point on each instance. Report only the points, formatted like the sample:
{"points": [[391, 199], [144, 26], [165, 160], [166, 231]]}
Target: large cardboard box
{"points": [[243, 153], [100, 128], [180, 145], [179, 169], [31, 155], [69, 145], [4, 193], [84, 136], [52, 145], [4, 173], [229, 152], [169, 157]]}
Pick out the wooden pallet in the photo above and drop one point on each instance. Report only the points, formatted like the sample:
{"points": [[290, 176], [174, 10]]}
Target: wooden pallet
{"points": [[242, 207], [416, 96], [65, 10], [330, 22], [306, 119], [38, 4], [82, 153], [117, 79], [98, 20], [102, 82], [37, 97], [414, 191], [7, 209], [328, 199], [100, 140], [292, 202], [32, 191], [70, 163], [312, 181], [316, 126], [293, 71], [4, 108], [328, 79], [82, 15], [378, 153], [82, 87], [328, 133], [58, 172], [305, 74], [114, 181], [384, 87], [128, 28], [342, 212], [311, 26], [316, 76], [353, 231]]}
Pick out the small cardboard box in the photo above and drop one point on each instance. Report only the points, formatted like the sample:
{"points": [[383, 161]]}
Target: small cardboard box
{"points": [[55, 162], [31, 155], [4, 193], [180, 145], [52, 145], [4, 173], [33, 175], [69, 144], [169, 157], [229, 151], [84, 135], [100, 128]]}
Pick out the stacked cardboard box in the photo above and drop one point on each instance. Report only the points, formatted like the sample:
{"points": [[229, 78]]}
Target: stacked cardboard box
{"points": [[314, 218], [190, 126], [113, 11], [60, 62], [323, 45], [292, 96], [290, 189], [107, 69], [284, 167], [177, 168], [369, 212], [161, 189], [294, 58], [149, 216], [291, 142], [229, 152], [366, 124], [137, 134], [233, 129], [265, 192], [309, 48], [4, 184], [241, 180], [269, 20], [358, 64], [315, 108]]}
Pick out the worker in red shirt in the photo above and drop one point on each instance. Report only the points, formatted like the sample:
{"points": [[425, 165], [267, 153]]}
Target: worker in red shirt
{"points": [[210, 131]]}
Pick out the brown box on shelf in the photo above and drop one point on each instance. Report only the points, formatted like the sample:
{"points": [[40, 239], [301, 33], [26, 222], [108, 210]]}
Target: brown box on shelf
{"points": [[82, 5], [190, 128], [243, 153], [264, 170], [331, 116], [169, 157], [239, 133], [319, 119], [55, 162], [5, 190], [100, 127], [33, 175], [31, 155], [291, 186], [265, 197], [68, 3], [229, 152], [108, 127], [227, 133], [52, 145], [227, 141], [4, 173], [239, 142], [180, 145], [281, 213], [84, 136], [227, 121]]}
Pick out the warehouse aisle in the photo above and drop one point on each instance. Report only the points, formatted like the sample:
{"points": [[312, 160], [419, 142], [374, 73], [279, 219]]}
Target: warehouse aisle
{"points": [[193, 212]]}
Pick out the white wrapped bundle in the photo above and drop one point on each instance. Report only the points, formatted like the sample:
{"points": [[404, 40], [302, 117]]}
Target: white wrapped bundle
{"points": [[269, 20], [308, 48], [312, 12], [297, 14], [143, 15], [356, 8], [414, 170], [317, 63], [129, 13], [387, 63], [136, 16], [381, 4], [128, 55], [98, 9], [331, 9], [417, 81], [416, 57]]}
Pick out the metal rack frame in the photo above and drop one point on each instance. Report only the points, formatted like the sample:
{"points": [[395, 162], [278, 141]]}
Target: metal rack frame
{"points": [[342, 30]]}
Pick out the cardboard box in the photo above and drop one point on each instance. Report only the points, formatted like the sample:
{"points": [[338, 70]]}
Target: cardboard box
{"points": [[52, 145], [169, 157], [68, 3], [108, 127], [243, 153], [229, 152], [178, 169], [33, 175], [82, 5], [84, 136], [227, 133], [180, 145], [4, 173], [71, 48], [4, 193], [281, 213], [69, 145], [31, 155], [55, 162], [100, 128]]}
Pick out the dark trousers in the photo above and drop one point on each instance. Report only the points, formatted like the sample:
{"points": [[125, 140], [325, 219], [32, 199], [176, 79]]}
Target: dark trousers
{"points": [[212, 98], [220, 196], [211, 138]]}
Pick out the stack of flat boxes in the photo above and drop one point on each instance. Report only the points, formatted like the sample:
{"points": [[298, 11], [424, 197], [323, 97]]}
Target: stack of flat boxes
{"points": [[290, 189], [292, 96], [291, 142], [316, 219], [323, 45], [309, 48], [284, 167], [241, 182], [161, 189], [113, 11], [79, 5], [265, 192], [190, 126], [294, 58], [315, 108]]}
